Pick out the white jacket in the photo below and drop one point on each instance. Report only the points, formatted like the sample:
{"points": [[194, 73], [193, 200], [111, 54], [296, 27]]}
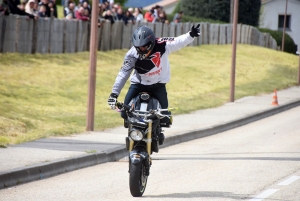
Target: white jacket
{"points": [[154, 69]]}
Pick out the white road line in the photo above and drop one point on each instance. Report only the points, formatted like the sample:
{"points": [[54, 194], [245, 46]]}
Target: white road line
{"points": [[264, 194], [289, 181]]}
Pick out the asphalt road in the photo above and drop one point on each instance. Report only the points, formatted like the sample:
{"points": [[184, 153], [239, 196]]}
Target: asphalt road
{"points": [[259, 161]]}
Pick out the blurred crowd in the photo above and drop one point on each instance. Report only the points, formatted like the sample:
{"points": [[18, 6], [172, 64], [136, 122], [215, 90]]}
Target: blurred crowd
{"points": [[29, 8], [108, 11]]}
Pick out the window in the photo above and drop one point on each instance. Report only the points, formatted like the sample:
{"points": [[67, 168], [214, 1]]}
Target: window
{"points": [[281, 22]]}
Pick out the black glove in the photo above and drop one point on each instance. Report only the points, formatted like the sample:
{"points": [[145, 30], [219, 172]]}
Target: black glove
{"points": [[112, 100], [195, 31]]}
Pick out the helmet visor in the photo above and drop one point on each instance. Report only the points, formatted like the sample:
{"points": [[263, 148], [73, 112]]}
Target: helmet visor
{"points": [[145, 50]]}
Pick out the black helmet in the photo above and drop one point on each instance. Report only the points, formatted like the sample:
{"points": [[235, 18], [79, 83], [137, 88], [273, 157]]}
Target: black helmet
{"points": [[143, 36]]}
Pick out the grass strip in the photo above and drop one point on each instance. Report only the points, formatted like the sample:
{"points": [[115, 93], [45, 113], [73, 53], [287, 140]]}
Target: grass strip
{"points": [[46, 95]]}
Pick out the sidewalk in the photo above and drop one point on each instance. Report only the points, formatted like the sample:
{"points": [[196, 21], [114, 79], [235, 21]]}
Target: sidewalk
{"points": [[48, 157]]}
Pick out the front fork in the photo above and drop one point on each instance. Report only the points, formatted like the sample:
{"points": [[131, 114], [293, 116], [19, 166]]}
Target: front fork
{"points": [[134, 157], [148, 142]]}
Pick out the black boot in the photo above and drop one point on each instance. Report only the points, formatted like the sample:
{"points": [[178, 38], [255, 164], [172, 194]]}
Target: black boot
{"points": [[125, 123], [161, 139]]}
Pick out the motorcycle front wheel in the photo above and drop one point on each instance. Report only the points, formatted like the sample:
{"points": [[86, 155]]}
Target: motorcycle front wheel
{"points": [[137, 179]]}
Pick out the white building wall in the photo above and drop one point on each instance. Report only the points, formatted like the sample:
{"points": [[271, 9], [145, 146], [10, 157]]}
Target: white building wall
{"points": [[273, 8]]}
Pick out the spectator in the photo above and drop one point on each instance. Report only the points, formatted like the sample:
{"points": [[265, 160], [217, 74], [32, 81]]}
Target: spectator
{"points": [[69, 12], [87, 8], [107, 4], [4, 8], [86, 13], [100, 10], [36, 8], [77, 7], [21, 6], [45, 3], [130, 10], [114, 13], [138, 15], [54, 8], [130, 14], [128, 17], [82, 1], [148, 16], [104, 9], [109, 17], [120, 15], [116, 6], [42, 11], [80, 14], [67, 3], [29, 8], [10, 7], [163, 17], [156, 13], [178, 17], [51, 6], [100, 15]]}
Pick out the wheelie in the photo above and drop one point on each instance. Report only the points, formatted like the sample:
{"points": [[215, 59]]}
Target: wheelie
{"points": [[145, 108], [144, 120]]}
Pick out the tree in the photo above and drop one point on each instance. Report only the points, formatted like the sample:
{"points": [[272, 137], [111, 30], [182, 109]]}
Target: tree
{"points": [[249, 12], [220, 10], [195, 8], [121, 2]]}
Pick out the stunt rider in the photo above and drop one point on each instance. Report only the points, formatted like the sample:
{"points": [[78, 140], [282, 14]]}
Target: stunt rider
{"points": [[149, 59]]}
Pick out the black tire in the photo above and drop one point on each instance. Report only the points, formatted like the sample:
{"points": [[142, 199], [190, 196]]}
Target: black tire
{"points": [[137, 179]]}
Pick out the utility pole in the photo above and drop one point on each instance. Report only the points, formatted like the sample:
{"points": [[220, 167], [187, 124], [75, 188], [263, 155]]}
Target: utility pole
{"points": [[233, 59], [284, 25], [93, 64], [298, 52], [231, 11]]}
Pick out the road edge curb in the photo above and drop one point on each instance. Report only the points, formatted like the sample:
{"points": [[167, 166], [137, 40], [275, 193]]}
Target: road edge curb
{"points": [[187, 136]]}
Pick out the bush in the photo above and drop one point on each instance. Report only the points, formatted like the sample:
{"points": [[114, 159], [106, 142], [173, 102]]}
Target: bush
{"points": [[289, 44]]}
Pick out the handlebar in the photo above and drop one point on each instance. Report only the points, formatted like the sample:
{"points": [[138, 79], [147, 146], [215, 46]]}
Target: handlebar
{"points": [[152, 114]]}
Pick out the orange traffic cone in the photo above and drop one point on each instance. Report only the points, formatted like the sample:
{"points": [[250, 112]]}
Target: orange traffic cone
{"points": [[275, 101]]}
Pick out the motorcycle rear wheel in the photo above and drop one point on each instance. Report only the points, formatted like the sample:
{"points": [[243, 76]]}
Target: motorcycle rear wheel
{"points": [[137, 179]]}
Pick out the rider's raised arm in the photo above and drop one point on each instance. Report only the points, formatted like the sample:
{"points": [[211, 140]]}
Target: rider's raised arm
{"points": [[125, 71], [176, 43]]}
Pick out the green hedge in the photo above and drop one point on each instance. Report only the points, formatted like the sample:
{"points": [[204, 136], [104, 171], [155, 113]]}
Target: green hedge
{"points": [[289, 44]]}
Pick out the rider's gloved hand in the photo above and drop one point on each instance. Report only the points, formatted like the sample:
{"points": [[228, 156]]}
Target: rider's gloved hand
{"points": [[112, 100], [195, 31]]}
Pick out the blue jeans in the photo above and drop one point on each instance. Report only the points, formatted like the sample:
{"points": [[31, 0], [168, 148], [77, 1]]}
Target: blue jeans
{"points": [[158, 90]]}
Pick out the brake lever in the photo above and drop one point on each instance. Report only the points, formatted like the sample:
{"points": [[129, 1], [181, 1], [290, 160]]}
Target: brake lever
{"points": [[160, 115]]}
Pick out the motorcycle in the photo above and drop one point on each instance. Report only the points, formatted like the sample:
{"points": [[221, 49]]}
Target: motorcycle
{"points": [[144, 122]]}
